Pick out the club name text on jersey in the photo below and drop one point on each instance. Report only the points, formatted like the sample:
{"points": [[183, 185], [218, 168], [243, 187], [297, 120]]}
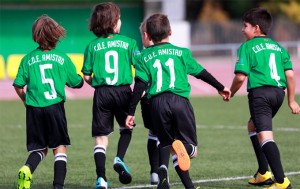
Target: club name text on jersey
{"points": [[265, 46], [175, 52], [111, 44], [46, 57]]}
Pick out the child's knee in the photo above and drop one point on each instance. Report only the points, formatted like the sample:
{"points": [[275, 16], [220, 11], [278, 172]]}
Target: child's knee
{"points": [[251, 127]]}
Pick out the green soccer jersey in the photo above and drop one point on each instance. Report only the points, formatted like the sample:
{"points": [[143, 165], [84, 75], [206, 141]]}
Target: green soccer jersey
{"points": [[46, 74], [264, 61], [166, 68], [110, 60]]}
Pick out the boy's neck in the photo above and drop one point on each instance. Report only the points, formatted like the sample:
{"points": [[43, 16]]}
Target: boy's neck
{"points": [[261, 35], [165, 40]]}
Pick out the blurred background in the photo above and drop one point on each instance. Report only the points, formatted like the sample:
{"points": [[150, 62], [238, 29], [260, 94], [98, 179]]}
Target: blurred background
{"points": [[210, 28]]}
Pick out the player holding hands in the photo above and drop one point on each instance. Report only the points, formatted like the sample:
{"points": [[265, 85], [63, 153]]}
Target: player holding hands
{"points": [[269, 70], [164, 67]]}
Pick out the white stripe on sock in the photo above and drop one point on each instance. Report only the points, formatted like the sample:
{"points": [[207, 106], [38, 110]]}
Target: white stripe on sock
{"points": [[60, 157]]}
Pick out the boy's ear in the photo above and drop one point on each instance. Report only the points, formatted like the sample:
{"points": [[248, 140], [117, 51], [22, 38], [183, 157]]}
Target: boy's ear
{"points": [[257, 29], [147, 36], [170, 33]]}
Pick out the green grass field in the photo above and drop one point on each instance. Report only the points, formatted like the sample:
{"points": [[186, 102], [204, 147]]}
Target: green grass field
{"points": [[225, 159]]}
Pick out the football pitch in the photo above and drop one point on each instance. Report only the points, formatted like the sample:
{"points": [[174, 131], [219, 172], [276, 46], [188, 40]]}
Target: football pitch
{"points": [[225, 156]]}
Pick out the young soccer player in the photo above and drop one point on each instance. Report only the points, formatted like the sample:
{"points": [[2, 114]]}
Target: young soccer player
{"points": [[153, 143], [165, 68], [107, 68], [269, 70], [45, 71]]}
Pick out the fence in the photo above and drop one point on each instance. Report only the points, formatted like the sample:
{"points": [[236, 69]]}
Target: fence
{"points": [[292, 46]]}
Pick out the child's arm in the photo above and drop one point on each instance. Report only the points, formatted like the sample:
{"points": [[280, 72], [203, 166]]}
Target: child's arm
{"points": [[88, 79], [291, 84], [205, 76], [237, 82], [21, 93]]}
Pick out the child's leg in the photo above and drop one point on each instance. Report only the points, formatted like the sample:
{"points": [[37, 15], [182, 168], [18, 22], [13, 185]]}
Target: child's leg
{"points": [[153, 152], [184, 175], [124, 141], [185, 178], [273, 156], [60, 167], [153, 155], [260, 156], [100, 159], [35, 158], [119, 165], [26, 171]]}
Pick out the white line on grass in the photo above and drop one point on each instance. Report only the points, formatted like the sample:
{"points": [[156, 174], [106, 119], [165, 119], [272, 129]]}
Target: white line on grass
{"points": [[197, 126], [243, 128], [232, 127], [204, 181]]}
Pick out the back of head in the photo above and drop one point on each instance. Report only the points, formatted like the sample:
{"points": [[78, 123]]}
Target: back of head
{"points": [[47, 32], [104, 18], [260, 17], [158, 27]]}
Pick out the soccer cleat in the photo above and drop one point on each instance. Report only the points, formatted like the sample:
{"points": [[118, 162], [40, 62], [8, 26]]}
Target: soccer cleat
{"points": [[154, 178], [260, 180], [285, 185], [183, 158], [24, 178], [163, 182], [101, 183], [122, 170]]}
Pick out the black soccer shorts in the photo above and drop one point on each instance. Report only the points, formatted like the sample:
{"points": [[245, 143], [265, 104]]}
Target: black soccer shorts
{"points": [[264, 103], [173, 118], [146, 114], [46, 127], [109, 102]]}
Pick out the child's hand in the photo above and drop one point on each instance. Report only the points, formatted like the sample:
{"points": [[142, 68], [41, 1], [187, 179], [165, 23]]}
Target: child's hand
{"points": [[130, 122], [226, 94], [294, 107]]}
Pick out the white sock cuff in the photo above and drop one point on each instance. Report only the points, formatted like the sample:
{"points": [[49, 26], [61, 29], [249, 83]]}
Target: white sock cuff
{"points": [[175, 160], [192, 155], [100, 149], [152, 137], [266, 141], [252, 134], [41, 154], [60, 157]]}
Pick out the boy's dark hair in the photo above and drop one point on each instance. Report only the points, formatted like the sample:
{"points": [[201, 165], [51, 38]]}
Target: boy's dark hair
{"points": [[104, 18], [158, 27], [46, 32], [260, 17]]}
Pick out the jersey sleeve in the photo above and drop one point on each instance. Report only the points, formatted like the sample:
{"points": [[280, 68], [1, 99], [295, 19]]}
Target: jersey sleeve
{"points": [[87, 68], [193, 67], [242, 63], [20, 80], [135, 53], [141, 70], [287, 63], [73, 79]]}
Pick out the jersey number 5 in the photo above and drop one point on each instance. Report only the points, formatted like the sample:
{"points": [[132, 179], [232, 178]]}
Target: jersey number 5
{"points": [[49, 81]]}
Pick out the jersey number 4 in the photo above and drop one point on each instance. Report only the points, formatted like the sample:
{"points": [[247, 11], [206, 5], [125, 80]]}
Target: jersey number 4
{"points": [[273, 69]]}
